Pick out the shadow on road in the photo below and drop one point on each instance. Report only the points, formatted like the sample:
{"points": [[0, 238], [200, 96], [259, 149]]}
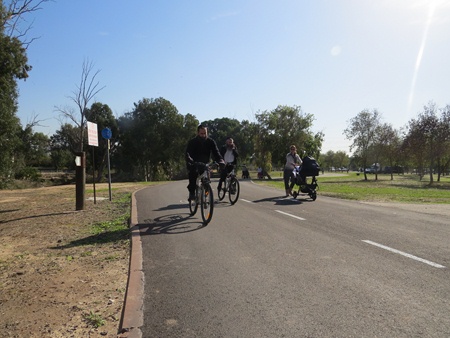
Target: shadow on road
{"points": [[281, 200], [170, 225], [173, 207]]}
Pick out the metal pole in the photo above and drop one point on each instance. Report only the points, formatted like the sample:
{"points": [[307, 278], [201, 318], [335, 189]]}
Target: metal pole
{"points": [[80, 178], [109, 172], [93, 175]]}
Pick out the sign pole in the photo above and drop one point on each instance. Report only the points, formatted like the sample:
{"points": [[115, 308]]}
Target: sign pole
{"points": [[107, 134], [93, 175], [109, 172], [93, 141]]}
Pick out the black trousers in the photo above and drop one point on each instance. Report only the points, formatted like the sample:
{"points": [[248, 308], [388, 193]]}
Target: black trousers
{"points": [[288, 176], [224, 172], [192, 175]]}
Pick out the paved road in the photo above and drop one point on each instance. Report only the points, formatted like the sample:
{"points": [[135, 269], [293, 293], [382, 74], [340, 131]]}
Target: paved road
{"points": [[275, 267]]}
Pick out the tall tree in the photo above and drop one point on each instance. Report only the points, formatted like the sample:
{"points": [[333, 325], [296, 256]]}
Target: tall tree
{"points": [[13, 67], [63, 145], [153, 137], [362, 130], [389, 146], [443, 142], [281, 127], [35, 147], [242, 133], [102, 115], [423, 139]]}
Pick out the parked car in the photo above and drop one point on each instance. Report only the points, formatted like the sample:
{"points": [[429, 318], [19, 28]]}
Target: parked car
{"points": [[395, 170]]}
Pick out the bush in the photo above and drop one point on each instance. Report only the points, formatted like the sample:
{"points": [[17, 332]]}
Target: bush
{"points": [[28, 173]]}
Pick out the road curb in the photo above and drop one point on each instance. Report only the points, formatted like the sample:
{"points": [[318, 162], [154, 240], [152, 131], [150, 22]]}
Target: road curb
{"points": [[133, 310]]}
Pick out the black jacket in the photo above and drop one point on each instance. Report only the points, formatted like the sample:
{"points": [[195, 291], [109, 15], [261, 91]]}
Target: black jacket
{"points": [[223, 150], [199, 150]]}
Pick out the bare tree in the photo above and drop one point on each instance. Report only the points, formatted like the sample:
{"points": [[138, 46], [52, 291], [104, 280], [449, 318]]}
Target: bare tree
{"points": [[84, 93], [14, 16]]}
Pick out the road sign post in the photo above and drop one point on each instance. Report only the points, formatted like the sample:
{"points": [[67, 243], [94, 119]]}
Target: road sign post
{"points": [[107, 134]]}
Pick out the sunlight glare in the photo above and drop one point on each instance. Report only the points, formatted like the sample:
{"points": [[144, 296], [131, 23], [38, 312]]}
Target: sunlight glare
{"points": [[431, 10]]}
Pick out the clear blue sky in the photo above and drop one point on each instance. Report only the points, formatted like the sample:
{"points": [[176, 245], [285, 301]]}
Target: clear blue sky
{"points": [[230, 58]]}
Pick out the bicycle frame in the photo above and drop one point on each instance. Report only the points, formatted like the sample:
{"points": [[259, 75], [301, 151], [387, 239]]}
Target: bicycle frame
{"points": [[230, 175], [203, 196]]}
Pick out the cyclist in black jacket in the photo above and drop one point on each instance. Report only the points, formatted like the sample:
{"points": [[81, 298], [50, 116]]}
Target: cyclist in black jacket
{"points": [[230, 154], [200, 149]]}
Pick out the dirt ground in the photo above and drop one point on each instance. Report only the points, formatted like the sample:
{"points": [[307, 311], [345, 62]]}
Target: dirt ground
{"points": [[58, 278]]}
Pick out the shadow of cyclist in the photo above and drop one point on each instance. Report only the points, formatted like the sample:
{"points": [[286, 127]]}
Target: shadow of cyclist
{"points": [[174, 224]]}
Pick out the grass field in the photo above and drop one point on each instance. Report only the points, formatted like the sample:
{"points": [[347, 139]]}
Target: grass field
{"points": [[403, 188]]}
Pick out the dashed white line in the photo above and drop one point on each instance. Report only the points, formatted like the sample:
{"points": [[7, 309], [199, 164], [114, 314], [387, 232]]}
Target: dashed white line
{"points": [[243, 200], [405, 254], [287, 214]]}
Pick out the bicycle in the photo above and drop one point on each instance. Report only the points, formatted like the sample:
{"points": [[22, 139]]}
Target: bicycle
{"points": [[203, 193], [231, 185]]}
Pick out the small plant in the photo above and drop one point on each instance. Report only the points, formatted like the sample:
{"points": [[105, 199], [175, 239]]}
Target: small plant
{"points": [[94, 319], [112, 257]]}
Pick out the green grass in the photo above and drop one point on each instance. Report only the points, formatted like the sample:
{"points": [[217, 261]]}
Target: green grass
{"points": [[403, 188], [94, 319]]}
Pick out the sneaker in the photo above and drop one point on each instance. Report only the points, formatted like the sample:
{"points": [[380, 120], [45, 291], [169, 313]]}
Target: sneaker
{"points": [[191, 197]]}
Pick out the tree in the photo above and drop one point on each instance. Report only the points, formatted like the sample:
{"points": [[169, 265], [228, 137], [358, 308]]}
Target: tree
{"points": [[422, 140], [276, 130], [63, 145], [413, 146], [153, 139], [389, 145], [362, 130], [241, 132], [13, 67], [35, 147], [84, 93], [103, 116], [12, 17], [443, 142], [221, 128]]}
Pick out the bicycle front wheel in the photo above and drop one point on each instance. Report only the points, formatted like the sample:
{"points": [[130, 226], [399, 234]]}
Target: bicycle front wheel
{"points": [[206, 203], [221, 193], [233, 190]]}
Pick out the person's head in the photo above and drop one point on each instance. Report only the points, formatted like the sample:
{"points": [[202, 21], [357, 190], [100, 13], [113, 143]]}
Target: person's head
{"points": [[293, 149], [229, 142], [202, 132]]}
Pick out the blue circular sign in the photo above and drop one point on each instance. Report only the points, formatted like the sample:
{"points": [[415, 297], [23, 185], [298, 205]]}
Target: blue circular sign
{"points": [[107, 133]]}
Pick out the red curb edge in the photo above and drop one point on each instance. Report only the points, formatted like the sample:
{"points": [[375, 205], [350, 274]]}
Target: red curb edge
{"points": [[133, 310]]}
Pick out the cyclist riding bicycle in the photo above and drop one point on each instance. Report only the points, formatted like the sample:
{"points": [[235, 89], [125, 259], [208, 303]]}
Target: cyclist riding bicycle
{"points": [[200, 149], [230, 154]]}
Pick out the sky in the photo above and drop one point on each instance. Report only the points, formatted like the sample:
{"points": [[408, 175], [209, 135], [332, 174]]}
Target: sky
{"points": [[236, 58]]}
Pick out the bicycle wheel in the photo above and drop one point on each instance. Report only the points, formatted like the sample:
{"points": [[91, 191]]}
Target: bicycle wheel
{"points": [[206, 203], [193, 204], [233, 190], [221, 193]]}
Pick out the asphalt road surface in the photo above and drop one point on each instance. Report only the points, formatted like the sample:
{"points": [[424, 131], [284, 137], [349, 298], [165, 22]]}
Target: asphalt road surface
{"points": [[271, 266]]}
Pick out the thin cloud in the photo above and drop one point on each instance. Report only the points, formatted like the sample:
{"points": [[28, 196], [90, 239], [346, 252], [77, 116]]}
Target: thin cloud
{"points": [[336, 50], [224, 15]]}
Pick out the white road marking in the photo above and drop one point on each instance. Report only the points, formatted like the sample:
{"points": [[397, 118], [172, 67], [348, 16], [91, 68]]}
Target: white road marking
{"points": [[405, 254], [285, 213], [243, 200]]}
